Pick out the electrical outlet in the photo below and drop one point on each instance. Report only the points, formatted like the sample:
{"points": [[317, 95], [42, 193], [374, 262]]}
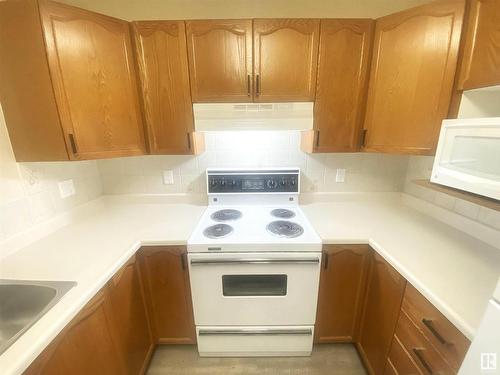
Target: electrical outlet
{"points": [[66, 188], [168, 177], [340, 176]]}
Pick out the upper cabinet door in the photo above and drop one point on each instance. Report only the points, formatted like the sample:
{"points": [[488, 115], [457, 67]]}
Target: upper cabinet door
{"points": [[220, 60], [481, 58], [412, 74], [91, 63], [163, 70], [285, 59], [344, 55]]}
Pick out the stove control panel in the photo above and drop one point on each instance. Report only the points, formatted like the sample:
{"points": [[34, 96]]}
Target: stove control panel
{"points": [[253, 181]]}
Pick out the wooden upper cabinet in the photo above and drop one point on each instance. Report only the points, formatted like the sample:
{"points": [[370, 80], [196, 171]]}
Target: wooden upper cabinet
{"points": [[344, 55], [380, 314], [285, 59], [26, 93], [481, 57], [164, 77], [130, 318], [168, 295], [341, 291], [92, 69], [220, 60], [412, 75]]}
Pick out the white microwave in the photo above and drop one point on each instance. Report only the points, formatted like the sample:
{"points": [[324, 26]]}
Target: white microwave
{"points": [[468, 156]]}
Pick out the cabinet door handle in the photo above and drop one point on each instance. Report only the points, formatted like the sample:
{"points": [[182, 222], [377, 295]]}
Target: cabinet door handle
{"points": [[317, 138], [437, 335], [183, 262], [257, 84], [325, 263], [189, 141], [72, 143], [249, 92], [420, 357], [363, 137]]}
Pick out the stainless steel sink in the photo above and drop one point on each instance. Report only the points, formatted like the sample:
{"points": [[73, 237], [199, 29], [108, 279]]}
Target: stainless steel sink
{"points": [[23, 302]]}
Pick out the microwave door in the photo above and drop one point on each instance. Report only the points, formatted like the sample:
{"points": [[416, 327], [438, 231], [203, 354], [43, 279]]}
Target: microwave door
{"points": [[468, 157]]}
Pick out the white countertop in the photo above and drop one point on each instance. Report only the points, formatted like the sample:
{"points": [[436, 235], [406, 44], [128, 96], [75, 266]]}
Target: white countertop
{"points": [[453, 270]]}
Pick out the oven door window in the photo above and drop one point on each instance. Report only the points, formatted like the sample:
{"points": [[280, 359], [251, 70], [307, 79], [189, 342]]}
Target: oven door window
{"points": [[254, 285]]}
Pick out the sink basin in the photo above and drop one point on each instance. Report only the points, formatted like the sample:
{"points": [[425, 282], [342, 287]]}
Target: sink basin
{"points": [[23, 302]]}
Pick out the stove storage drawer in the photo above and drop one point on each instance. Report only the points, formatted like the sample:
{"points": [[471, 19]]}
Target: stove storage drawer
{"points": [[252, 289], [254, 341]]}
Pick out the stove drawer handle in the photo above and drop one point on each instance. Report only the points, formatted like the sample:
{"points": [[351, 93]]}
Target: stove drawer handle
{"points": [[255, 261], [254, 332]]}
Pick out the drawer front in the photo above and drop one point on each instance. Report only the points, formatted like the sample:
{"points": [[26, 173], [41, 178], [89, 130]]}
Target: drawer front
{"points": [[445, 337], [263, 341], [389, 368], [428, 359], [401, 361]]}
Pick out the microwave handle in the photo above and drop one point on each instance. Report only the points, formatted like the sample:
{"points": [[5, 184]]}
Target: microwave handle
{"points": [[206, 261]]}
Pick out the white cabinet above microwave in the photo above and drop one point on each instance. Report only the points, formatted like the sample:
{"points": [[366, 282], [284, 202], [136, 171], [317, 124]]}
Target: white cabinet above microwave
{"points": [[468, 156]]}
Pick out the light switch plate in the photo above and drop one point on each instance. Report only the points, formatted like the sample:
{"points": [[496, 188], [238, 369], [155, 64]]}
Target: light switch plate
{"points": [[66, 188], [340, 176], [168, 177]]}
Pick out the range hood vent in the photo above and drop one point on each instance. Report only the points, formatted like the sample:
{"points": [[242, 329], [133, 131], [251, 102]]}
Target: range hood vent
{"points": [[253, 116]]}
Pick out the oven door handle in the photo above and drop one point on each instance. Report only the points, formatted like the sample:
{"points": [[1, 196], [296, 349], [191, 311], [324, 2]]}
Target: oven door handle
{"points": [[205, 261], [255, 332]]}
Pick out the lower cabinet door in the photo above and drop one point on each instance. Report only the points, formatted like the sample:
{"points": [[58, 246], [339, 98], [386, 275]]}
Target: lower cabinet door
{"points": [[380, 314], [86, 346], [130, 319], [341, 290], [168, 296]]}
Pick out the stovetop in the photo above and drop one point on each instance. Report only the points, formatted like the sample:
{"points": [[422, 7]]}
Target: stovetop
{"points": [[253, 210], [251, 228]]}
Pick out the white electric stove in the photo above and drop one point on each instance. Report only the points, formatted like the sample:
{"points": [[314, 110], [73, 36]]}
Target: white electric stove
{"points": [[254, 262]]}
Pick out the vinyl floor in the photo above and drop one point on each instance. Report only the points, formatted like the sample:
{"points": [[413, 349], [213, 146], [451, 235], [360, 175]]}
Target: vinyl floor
{"points": [[334, 359]]}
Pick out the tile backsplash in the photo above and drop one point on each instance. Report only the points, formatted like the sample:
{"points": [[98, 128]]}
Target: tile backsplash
{"points": [[364, 172], [420, 167], [29, 192]]}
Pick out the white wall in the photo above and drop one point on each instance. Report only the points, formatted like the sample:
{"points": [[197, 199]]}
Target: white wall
{"points": [[365, 172], [193, 9], [29, 194]]}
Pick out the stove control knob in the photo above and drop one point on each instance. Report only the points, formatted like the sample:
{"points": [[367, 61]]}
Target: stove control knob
{"points": [[213, 182], [292, 182], [283, 182], [271, 184], [233, 183], [223, 183]]}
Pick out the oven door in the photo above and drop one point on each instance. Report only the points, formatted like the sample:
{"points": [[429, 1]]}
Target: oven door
{"points": [[254, 288]]}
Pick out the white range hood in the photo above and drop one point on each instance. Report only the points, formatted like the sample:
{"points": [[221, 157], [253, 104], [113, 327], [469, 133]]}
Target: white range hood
{"points": [[253, 116]]}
